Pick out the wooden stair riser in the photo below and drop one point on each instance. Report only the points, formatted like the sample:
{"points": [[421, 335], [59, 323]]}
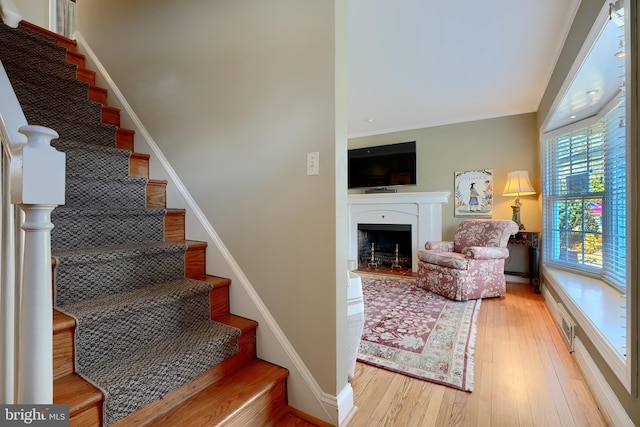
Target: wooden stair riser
{"points": [[86, 76], [63, 345], [195, 261], [174, 228], [124, 139], [156, 194], [110, 115], [139, 165], [98, 94], [84, 400]]}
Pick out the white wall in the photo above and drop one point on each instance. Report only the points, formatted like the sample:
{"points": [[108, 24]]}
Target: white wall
{"points": [[34, 11]]}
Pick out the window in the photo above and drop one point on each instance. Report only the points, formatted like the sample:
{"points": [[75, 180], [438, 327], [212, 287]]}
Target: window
{"points": [[584, 167], [584, 196]]}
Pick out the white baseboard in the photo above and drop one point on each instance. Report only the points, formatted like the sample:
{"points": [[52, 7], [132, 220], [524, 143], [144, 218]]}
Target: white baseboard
{"points": [[604, 395], [607, 401]]}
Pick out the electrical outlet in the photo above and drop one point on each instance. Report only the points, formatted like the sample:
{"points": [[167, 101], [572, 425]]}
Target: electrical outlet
{"points": [[313, 163]]}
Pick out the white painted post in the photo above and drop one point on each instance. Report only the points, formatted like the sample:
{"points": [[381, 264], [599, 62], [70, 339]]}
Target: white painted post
{"points": [[7, 293], [9, 13], [38, 190]]}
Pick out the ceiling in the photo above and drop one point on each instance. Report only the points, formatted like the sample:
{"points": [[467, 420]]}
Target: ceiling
{"points": [[422, 63]]}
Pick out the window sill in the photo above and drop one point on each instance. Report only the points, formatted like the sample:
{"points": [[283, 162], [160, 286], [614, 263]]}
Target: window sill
{"points": [[599, 311]]}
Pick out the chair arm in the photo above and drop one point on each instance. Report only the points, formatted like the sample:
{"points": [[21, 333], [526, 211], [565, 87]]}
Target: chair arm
{"points": [[439, 246], [484, 252]]}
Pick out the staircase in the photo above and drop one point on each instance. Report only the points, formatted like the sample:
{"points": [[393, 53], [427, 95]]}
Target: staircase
{"points": [[240, 390]]}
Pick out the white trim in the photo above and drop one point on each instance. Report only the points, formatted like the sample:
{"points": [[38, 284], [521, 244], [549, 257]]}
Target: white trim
{"points": [[341, 404], [53, 16], [603, 394], [297, 369]]}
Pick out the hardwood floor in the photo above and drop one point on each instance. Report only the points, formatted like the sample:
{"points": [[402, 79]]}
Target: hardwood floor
{"points": [[524, 376]]}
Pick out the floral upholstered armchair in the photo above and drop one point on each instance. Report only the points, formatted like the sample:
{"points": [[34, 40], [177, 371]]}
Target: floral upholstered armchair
{"points": [[470, 267]]}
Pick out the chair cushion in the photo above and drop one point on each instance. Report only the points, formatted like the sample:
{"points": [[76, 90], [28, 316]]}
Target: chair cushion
{"points": [[444, 259], [483, 233]]}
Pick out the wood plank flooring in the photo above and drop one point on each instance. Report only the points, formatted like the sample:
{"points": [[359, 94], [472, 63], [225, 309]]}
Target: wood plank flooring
{"points": [[524, 376]]}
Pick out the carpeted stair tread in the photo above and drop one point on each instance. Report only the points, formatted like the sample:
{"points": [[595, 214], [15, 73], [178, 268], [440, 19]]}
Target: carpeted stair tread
{"points": [[105, 192], [152, 371], [106, 253], [80, 228], [97, 133], [32, 89], [62, 108], [110, 327], [94, 159], [31, 41], [97, 272]]}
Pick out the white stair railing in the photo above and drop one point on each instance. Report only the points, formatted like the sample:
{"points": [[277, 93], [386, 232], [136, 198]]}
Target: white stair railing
{"points": [[33, 173]]}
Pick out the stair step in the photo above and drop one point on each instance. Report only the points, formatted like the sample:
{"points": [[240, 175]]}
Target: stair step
{"points": [[195, 260], [63, 41], [100, 192], [97, 160], [139, 165], [157, 193], [98, 94], [63, 335], [85, 400], [124, 139], [64, 326], [87, 76], [219, 300], [111, 115], [174, 229], [253, 395], [75, 58], [86, 228]]}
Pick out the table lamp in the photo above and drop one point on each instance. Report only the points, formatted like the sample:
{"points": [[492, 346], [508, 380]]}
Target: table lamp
{"points": [[518, 184]]}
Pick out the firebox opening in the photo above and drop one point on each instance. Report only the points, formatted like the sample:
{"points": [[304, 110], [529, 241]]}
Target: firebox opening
{"points": [[384, 246]]}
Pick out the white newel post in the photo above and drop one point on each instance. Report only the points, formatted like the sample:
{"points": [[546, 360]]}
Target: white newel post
{"points": [[38, 180]]}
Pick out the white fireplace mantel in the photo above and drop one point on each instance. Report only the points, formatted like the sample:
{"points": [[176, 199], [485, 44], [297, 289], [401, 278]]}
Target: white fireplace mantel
{"points": [[422, 211]]}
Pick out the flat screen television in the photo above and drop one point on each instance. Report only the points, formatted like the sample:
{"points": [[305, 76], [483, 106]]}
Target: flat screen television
{"points": [[382, 165]]}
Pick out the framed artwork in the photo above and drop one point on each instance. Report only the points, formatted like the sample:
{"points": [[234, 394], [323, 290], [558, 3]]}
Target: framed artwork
{"points": [[474, 193]]}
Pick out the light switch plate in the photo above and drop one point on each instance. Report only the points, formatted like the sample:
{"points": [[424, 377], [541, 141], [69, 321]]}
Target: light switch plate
{"points": [[313, 163]]}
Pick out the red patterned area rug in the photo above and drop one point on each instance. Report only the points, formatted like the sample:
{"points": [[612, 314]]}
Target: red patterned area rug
{"points": [[418, 333]]}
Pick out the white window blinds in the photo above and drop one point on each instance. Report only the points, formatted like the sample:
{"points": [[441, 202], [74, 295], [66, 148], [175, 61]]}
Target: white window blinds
{"points": [[584, 198]]}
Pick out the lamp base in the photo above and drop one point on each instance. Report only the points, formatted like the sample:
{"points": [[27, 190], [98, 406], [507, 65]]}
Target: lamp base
{"points": [[516, 215]]}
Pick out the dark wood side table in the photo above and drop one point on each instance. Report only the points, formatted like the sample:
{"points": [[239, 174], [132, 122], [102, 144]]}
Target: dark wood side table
{"points": [[532, 240]]}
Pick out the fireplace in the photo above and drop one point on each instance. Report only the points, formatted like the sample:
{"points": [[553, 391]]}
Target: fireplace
{"points": [[420, 212], [386, 246]]}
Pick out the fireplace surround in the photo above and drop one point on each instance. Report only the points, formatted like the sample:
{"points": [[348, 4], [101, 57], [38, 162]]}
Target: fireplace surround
{"points": [[422, 211]]}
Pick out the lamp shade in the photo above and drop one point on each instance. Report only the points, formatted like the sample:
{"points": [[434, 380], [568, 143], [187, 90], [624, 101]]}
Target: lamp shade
{"points": [[518, 184]]}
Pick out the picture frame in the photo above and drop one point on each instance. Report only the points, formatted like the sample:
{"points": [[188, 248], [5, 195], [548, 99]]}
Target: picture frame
{"points": [[474, 193]]}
